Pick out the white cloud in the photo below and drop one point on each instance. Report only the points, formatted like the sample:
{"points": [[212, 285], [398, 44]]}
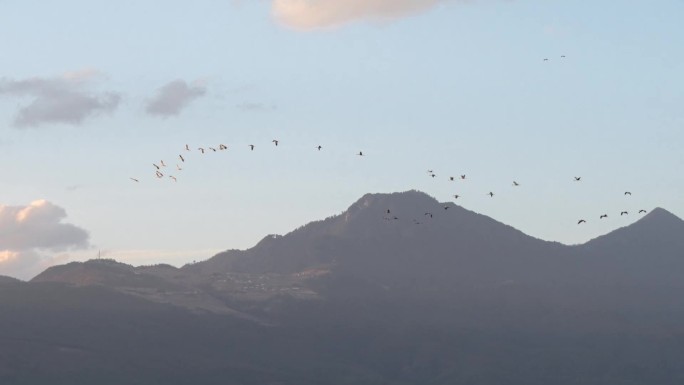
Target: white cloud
{"points": [[313, 14], [63, 99], [28, 233], [173, 97]]}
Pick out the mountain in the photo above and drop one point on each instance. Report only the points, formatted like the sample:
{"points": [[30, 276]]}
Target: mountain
{"points": [[4, 279], [361, 297]]}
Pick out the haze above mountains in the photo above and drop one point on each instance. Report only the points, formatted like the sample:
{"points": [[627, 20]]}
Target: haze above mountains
{"points": [[362, 297]]}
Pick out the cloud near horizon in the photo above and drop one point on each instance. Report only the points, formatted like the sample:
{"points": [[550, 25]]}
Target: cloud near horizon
{"points": [[27, 233], [315, 14], [173, 97], [63, 99]]}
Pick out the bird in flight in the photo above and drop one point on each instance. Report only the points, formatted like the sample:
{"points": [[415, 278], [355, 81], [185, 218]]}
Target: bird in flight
{"points": [[319, 147], [155, 166], [223, 147], [251, 147], [603, 216], [173, 177], [456, 196], [451, 178], [642, 211], [430, 171], [578, 178], [159, 174], [516, 183], [163, 164], [181, 158], [134, 180], [360, 153], [491, 194], [463, 176], [187, 148], [581, 221], [624, 213], [433, 175], [388, 211], [546, 59], [179, 168], [201, 149], [563, 56], [275, 141], [430, 214], [446, 207], [212, 149], [628, 193]]}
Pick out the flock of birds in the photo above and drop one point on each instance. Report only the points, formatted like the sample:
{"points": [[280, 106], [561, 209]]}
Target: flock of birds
{"points": [[161, 173]]}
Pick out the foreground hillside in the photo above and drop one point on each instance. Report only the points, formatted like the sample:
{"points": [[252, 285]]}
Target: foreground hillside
{"points": [[364, 298]]}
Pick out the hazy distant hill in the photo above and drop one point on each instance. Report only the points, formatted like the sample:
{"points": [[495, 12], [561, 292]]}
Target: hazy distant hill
{"points": [[363, 298]]}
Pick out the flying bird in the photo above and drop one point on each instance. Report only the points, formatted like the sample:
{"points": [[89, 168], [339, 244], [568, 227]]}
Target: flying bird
{"points": [[155, 166], [446, 207], [134, 180], [578, 178], [624, 213], [201, 149], [515, 183], [163, 164], [603, 216], [563, 56], [388, 211], [251, 147], [628, 193], [181, 158], [546, 59], [463, 176], [433, 175], [275, 141], [187, 148], [581, 221], [430, 214], [212, 149], [451, 178], [642, 211], [173, 177], [456, 196], [223, 147], [360, 153], [159, 174], [179, 168], [491, 194], [319, 147]]}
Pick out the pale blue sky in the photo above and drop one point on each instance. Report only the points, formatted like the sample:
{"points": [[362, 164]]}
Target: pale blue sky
{"points": [[458, 88]]}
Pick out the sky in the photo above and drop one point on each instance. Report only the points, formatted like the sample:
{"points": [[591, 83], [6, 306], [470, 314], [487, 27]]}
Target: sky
{"points": [[94, 93]]}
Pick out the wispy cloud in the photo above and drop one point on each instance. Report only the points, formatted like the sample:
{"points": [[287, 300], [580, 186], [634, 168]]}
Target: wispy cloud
{"points": [[28, 233], [63, 99], [253, 106], [313, 14], [173, 97]]}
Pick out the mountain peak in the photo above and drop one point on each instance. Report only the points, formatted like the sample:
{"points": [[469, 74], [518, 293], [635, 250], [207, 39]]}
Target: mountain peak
{"points": [[660, 215]]}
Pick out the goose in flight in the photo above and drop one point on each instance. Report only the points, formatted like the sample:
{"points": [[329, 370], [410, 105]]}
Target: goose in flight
{"points": [[360, 153], [155, 166], [603, 216], [134, 180], [319, 147], [463, 176], [179, 168], [446, 207], [516, 184], [276, 141], [430, 171], [163, 164], [581, 221], [491, 194], [642, 211], [251, 147], [388, 211], [223, 147], [201, 149], [546, 59], [159, 174], [212, 149], [578, 178], [562, 56], [430, 214], [451, 178], [187, 148], [456, 196], [181, 158], [624, 213], [433, 175], [173, 177], [628, 193]]}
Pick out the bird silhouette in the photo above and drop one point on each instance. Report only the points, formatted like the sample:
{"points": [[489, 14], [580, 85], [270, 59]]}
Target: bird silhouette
{"points": [[563, 56], [163, 164], [628, 193], [515, 183], [159, 174], [388, 211], [603, 216], [223, 147], [179, 168], [319, 147], [581, 221], [642, 211], [276, 141], [433, 175], [173, 177], [451, 178], [578, 178], [446, 207], [456, 196], [463, 176], [212, 149], [187, 148], [491, 194], [429, 214], [134, 180], [155, 166], [251, 147], [201, 149], [360, 153], [546, 59], [624, 213], [181, 158]]}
